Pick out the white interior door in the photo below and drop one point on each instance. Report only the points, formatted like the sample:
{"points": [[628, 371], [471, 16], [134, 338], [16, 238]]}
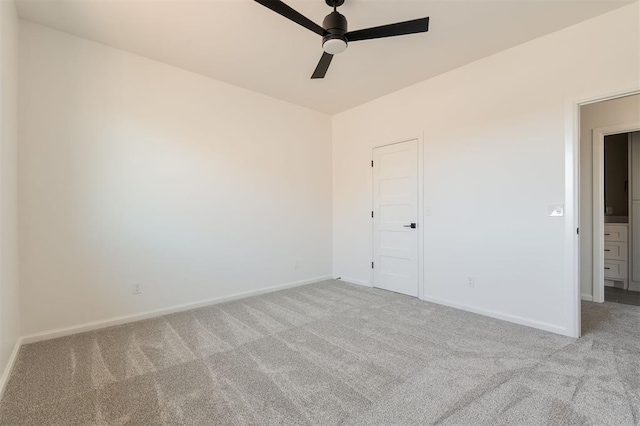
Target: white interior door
{"points": [[395, 217]]}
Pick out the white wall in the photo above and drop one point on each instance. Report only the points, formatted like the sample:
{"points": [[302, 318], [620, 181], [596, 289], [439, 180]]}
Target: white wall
{"points": [[9, 315], [135, 171], [593, 116], [494, 134]]}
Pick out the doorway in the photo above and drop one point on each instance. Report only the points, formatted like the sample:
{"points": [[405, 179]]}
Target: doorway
{"points": [[395, 215], [620, 280], [609, 196]]}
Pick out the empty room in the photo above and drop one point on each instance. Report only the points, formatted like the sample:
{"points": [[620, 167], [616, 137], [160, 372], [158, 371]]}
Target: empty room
{"points": [[319, 212]]}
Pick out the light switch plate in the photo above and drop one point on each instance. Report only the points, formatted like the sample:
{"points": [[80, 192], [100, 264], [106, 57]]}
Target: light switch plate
{"points": [[556, 210]]}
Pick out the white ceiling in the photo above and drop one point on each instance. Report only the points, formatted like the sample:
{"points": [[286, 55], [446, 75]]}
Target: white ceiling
{"points": [[245, 44]]}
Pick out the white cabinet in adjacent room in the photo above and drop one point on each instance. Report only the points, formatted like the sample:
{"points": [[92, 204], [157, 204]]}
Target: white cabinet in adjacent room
{"points": [[616, 266]]}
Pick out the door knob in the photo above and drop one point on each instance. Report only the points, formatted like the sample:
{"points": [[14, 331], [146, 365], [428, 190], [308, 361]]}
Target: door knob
{"points": [[412, 226]]}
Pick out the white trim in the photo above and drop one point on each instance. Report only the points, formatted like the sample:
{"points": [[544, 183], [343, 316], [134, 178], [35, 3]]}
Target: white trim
{"points": [[355, 281], [421, 216], [597, 141], [572, 217], [502, 316], [601, 97], [419, 137], [110, 322], [587, 297], [630, 209], [4, 379], [597, 224]]}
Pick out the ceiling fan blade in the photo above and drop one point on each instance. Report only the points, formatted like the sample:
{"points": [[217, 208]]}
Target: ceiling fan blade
{"points": [[391, 30], [289, 13], [323, 66]]}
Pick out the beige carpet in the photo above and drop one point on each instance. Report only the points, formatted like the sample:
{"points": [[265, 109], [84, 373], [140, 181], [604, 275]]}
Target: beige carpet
{"points": [[332, 353]]}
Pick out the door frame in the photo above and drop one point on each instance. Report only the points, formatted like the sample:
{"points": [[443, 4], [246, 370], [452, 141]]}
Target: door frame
{"points": [[572, 198], [419, 137], [597, 226]]}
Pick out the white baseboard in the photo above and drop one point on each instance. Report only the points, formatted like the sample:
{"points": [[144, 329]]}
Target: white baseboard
{"points": [[587, 297], [110, 322], [502, 316], [9, 367], [354, 281]]}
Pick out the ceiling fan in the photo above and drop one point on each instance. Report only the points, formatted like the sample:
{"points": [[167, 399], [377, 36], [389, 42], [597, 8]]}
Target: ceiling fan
{"points": [[335, 37]]}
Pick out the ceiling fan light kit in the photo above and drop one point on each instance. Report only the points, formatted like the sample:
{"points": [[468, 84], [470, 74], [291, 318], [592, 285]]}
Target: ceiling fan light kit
{"points": [[334, 46], [334, 30]]}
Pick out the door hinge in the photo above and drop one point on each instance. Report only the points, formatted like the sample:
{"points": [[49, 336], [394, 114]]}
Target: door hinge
{"points": [[578, 231], [371, 265], [371, 214], [371, 163]]}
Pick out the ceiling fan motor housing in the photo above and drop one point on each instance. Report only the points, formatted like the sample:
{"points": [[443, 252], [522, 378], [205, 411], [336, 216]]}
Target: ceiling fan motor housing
{"points": [[335, 41]]}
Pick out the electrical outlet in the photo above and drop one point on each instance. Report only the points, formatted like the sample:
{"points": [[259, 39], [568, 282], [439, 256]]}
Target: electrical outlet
{"points": [[136, 288], [471, 282]]}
